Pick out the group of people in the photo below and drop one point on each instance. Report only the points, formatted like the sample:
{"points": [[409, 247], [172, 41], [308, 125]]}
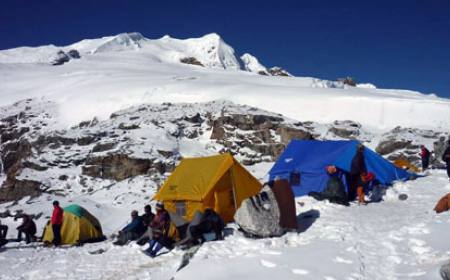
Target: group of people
{"points": [[425, 155], [155, 229], [28, 229], [359, 181], [150, 227]]}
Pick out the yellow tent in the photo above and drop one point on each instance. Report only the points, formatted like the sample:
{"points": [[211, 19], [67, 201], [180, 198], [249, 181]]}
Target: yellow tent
{"points": [[405, 164], [217, 182], [79, 226]]}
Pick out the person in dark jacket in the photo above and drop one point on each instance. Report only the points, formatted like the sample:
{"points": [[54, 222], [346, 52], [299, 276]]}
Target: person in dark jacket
{"points": [[3, 231], [28, 227], [132, 231], [56, 221], [446, 158], [358, 168], [335, 189], [148, 216], [425, 156], [160, 229], [210, 224]]}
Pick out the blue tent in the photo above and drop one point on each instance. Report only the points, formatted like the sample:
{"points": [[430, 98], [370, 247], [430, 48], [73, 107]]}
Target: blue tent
{"points": [[310, 158]]}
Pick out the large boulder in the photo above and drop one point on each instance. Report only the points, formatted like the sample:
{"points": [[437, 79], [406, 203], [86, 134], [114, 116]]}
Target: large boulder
{"points": [[259, 215], [445, 271]]}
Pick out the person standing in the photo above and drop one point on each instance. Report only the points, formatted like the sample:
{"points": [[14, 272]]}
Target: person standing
{"points": [[28, 227], [446, 158], [358, 168], [425, 156], [3, 231], [56, 221]]}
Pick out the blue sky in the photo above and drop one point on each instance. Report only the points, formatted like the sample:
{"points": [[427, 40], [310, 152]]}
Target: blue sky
{"points": [[393, 44]]}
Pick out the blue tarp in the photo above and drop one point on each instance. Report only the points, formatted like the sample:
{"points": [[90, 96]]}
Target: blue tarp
{"points": [[310, 158]]}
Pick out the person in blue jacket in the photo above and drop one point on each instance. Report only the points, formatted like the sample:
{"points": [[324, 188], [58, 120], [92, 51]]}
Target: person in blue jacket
{"points": [[132, 231]]}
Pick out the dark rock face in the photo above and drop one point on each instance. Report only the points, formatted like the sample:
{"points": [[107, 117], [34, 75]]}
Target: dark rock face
{"points": [[14, 189], [278, 71], [346, 129], [389, 146], [101, 147], [191, 60], [117, 167], [254, 136], [128, 126], [289, 133], [74, 54], [63, 57]]}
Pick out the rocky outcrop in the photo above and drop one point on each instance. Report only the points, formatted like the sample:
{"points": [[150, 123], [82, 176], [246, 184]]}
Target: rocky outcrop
{"points": [[278, 71], [346, 129], [191, 60], [116, 166], [255, 137], [147, 141], [62, 57], [388, 146]]}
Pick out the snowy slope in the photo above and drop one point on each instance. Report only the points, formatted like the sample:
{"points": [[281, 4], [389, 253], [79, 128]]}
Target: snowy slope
{"points": [[116, 72]]}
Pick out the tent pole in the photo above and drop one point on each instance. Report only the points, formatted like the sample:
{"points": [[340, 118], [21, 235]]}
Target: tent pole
{"points": [[233, 187]]}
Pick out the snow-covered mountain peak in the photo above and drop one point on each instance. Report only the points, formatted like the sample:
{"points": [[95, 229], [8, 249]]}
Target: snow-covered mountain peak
{"points": [[251, 64], [123, 41]]}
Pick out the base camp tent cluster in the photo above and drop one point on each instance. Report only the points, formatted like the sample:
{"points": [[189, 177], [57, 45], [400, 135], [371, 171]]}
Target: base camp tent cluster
{"points": [[220, 183]]}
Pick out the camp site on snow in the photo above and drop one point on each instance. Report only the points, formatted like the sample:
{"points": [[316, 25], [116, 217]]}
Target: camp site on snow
{"points": [[209, 199]]}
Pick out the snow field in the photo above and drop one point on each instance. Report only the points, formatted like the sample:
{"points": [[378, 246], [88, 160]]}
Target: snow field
{"points": [[389, 240]]}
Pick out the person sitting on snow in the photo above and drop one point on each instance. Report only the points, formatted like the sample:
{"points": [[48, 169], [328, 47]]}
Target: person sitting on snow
{"points": [[335, 189], [147, 219], [210, 227], [28, 227], [148, 216], [160, 230], [132, 231]]}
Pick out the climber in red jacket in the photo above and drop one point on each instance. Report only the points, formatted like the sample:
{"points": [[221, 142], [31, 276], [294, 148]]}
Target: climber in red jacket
{"points": [[57, 220]]}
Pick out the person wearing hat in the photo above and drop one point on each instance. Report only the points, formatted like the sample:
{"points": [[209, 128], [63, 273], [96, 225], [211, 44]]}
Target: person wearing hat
{"points": [[160, 228], [132, 231], [56, 221]]}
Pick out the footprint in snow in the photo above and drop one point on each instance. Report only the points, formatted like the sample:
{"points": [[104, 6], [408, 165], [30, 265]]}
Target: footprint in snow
{"points": [[270, 252], [268, 264], [300, 271], [342, 260]]}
